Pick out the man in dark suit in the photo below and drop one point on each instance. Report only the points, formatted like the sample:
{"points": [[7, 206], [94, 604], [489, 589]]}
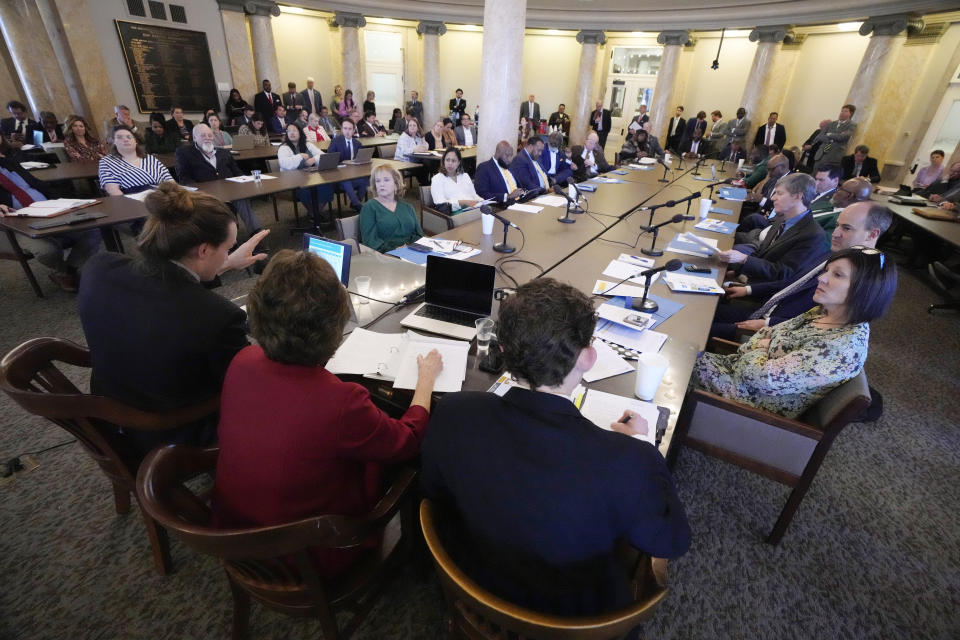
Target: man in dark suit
{"points": [[310, 98], [415, 106], [292, 101], [493, 179], [642, 116], [506, 499], [458, 106], [827, 179], [809, 149], [15, 128], [277, 123], [369, 127], [202, 162], [51, 130], [790, 244], [526, 168], [697, 124], [347, 146], [266, 102], [554, 161], [676, 129], [329, 123], [600, 122], [531, 111], [768, 304], [587, 161], [771, 133], [733, 152], [860, 164], [560, 119], [694, 146]]}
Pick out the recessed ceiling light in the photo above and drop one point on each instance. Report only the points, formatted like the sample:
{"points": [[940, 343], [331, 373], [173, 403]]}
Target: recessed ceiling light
{"points": [[738, 33], [640, 34], [849, 26]]}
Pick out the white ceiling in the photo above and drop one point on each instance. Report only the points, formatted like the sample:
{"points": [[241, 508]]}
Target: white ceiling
{"points": [[642, 15]]}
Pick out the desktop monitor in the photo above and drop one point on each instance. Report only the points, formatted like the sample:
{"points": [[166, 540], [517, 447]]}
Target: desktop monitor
{"points": [[335, 253]]}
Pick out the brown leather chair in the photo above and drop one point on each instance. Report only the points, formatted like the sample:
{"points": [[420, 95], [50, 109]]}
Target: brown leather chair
{"points": [[434, 222], [782, 449], [274, 564], [29, 375], [475, 613]]}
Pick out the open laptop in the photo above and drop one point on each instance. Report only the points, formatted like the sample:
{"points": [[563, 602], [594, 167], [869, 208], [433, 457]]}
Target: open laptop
{"points": [[364, 156], [328, 160], [243, 143], [456, 294], [337, 254]]}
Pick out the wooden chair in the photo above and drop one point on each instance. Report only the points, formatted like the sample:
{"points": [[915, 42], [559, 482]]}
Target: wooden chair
{"points": [[273, 166], [275, 564], [386, 151], [29, 375], [782, 449], [475, 613], [434, 221], [10, 250]]}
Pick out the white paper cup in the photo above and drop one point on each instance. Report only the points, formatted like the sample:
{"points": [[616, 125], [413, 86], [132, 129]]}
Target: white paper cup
{"points": [[363, 288], [705, 204], [486, 223], [650, 370], [739, 164]]}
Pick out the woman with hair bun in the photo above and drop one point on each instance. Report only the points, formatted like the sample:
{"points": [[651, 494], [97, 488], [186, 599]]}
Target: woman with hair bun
{"points": [[159, 339]]}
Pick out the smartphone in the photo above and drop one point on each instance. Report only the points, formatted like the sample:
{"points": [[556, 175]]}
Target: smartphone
{"points": [[695, 269], [637, 321], [419, 247]]}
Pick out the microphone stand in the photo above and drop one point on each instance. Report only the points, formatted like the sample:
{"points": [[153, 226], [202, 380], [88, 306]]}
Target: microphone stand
{"points": [[647, 306], [576, 208], [565, 218], [503, 247], [665, 169]]}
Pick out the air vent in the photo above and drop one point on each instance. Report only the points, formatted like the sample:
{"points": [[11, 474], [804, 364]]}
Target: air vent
{"points": [[157, 10], [178, 13], [136, 8]]}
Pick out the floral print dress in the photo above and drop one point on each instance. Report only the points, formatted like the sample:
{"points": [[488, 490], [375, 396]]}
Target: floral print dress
{"points": [[801, 365]]}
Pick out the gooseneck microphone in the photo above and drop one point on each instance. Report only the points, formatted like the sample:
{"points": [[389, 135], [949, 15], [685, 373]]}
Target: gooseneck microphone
{"points": [[501, 247], [649, 306], [565, 218], [653, 251]]}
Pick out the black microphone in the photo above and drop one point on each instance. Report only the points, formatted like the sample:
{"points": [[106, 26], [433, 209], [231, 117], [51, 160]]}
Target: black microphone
{"points": [[717, 184], [670, 265], [677, 218], [654, 207], [487, 210], [557, 189], [650, 306]]}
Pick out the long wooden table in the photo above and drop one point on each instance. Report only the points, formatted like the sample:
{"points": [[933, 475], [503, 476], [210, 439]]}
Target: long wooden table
{"points": [[118, 210]]}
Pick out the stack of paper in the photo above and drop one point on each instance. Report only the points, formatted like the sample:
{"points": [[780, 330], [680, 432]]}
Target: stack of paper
{"points": [[51, 208], [692, 245], [551, 201], [365, 352], [525, 208], [640, 341], [628, 268], [628, 317], [608, 364], [717, 226], [453, 352], [263, 176], [691, 284], [603, 409], [732, 193]]}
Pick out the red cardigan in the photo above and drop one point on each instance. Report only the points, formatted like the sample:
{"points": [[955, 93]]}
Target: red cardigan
{"points": [[296, 442]]}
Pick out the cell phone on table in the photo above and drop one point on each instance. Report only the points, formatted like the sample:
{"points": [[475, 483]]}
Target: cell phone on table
{"points": [[695, 269], [419, 247]]}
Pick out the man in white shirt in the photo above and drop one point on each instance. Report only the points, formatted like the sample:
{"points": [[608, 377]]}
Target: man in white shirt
{"points": [[310, 99], [466, 132], [531, 111], [771, 133]]}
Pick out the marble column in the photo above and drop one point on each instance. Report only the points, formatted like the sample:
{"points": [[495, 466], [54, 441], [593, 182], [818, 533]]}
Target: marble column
{"points": [[50, 17], [662, 107], [874, 69], [264, 48], [585, 97], [768, 41], [34, 57], [350, 24], [503, 27], [239, 51], [430, 91]]}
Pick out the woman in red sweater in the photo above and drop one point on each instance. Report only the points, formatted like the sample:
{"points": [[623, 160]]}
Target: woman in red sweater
{"points": [[296, 441]]}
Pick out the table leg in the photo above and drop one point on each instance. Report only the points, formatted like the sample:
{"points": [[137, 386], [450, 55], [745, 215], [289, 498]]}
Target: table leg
{"points": [[23, 258], [111, 239]]}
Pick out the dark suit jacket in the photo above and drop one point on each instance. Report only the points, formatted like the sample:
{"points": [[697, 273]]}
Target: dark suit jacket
{"points": [[525, 113], [868, 169], [263, 106], [275, 124], [725, 155], [537, 504], [564, 172], [158, 339], [604, 120], [779, 135], [703, 149], [367, 130], [459, 106], [692, 125], [9, 125], [292, 100], [673, 139], [525, 173], [172, 127], [339, 144], [796, 250], [305, 100], [192, 166], [797, 302], [581, 172], [489, 182]]}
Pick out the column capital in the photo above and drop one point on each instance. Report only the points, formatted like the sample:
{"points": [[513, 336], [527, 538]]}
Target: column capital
{"points": [[680, 37], [892, 25], [344, 19], [431, 28], [591, 37], [252, 7], [772, 33], [231, 5]]}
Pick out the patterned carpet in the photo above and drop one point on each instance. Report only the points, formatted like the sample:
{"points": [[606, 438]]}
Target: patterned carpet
{"points": [[873, 552]]}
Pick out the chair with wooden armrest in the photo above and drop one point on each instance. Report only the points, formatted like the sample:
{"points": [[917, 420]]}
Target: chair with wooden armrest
{"points": [[275, 564], [722, 346], [475, 613], [29, 375], [434, 221], [386, 151], [273, 166], [789, 451]]}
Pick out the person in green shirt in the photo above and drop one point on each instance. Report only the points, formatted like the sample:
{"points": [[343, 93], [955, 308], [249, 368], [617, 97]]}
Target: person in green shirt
{"points": [[385, 221], [759, 157]]}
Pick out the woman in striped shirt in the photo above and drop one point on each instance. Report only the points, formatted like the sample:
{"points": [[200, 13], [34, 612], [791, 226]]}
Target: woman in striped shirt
{"points": [[127, 169]]}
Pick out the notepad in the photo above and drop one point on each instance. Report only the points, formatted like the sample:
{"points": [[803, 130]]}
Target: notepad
{"points": [[691, 284], [620, 270], [365, 352], [717, 226], [551, 201], [525, 208], [603, 409], [51, 208], [692, 245], [608, 363], [453, 352]]}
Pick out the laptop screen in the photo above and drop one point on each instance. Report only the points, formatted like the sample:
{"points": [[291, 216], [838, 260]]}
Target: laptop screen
{"points": [[459, 284], [336, 253]]}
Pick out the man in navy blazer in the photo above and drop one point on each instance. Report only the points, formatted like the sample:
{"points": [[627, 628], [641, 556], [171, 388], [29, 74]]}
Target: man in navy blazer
{"points": [[310, 98], [506, 499], [347, 145], [526, 168], [493, 179], [277, 123], [266, 101], [860, 164], [771, 133], [554, 161]]}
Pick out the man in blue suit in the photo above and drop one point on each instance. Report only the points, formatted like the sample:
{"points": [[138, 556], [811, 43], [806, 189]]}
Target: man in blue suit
{"points": [[493, 179], [526, 168], [347, 146], [507, 498], [277, 123], [554, 161]]}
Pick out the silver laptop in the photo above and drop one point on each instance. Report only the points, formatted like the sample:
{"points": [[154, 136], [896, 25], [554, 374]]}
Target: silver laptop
{"points": [[328, 160], [456, 294], [364, 156], [243, 143]]}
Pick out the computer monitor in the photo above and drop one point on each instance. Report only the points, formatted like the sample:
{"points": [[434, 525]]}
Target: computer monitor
{"points": [[458, 284], [336, 253]]}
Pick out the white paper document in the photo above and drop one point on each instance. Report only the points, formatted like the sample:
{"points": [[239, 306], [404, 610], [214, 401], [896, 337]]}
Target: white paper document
{"points": [[263, 176], [366, 352], [620, 270], [602, 409], [691, 284], [33, 164], [551, 201], [608, 364], [50, 208], [526, 208], [648, 341], [618, 314], [453, 352], [607, 288], [140, 195]]}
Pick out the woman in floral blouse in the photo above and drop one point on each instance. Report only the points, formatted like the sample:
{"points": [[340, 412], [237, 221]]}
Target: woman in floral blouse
{"points": [[80, 144], [787, 368]]}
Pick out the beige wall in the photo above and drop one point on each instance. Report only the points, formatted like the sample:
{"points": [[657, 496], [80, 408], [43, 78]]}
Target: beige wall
{"points": [[460, 66], [722, 89], [550, 66], [297, 61]]}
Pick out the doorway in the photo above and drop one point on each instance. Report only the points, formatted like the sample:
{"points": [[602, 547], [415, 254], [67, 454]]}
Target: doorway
{"points": [[384, 68]]}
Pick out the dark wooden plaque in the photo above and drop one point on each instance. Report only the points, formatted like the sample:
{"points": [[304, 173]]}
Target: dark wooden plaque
{"points": [[168, 67]]}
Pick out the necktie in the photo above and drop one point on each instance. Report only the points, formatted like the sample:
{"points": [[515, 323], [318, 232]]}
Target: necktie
{"points": [[693, 147], [544, 182], [21, 195], [19, 126], [508, 178], [775, 299], [856, 170], [769, 136], [350, 149]]}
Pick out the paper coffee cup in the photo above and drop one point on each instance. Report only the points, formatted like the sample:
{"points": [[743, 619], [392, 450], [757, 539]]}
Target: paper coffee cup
{"points": [[650, 370], [739, 164], [486, 223], [705, 204]]}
